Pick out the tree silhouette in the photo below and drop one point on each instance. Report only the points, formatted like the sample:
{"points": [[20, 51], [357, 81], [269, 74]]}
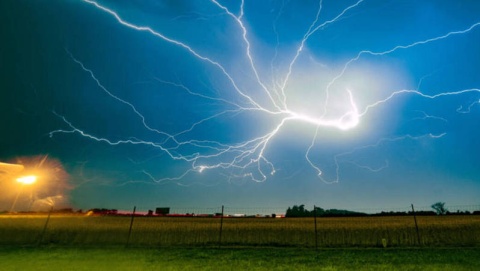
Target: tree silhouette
{"points": [[300, 211], [439, 208], [297, 211]]}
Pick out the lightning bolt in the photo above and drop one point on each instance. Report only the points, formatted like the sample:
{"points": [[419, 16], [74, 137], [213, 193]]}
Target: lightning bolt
{"points": [[342, 157], [463, 110], [248, 158]]}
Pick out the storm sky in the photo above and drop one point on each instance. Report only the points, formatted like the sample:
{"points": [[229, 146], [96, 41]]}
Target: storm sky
{"points": [[342, 104]]}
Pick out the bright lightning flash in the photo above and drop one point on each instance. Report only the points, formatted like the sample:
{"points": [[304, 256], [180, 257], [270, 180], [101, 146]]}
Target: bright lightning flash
{"points": [[270, 98]]}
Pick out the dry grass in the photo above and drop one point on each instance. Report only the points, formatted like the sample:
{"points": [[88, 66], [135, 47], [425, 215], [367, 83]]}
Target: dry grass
{"points": [[167, 231]]}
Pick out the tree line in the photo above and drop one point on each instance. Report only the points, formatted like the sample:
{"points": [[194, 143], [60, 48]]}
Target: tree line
{"points": [[300, 211]]}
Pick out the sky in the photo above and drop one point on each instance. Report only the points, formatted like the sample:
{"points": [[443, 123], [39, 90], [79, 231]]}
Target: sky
{"points": [[194, 104]]}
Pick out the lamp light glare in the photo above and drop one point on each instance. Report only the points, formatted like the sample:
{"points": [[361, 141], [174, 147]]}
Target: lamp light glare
{"points": [[27, 179]]}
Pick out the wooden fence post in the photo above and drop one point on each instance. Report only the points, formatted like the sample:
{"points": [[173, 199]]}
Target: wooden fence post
{"points": [[221, 229], [45, 227], [315, 221], [416, 225], [131, 225]]}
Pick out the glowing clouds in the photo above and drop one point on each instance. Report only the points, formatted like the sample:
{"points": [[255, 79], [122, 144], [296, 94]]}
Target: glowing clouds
{"points": [[316, 92]]}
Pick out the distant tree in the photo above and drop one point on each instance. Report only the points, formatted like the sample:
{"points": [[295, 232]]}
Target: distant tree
{"points": [[317, 211], [439, 208], [297, 211], [289, 212], [300, 211]]}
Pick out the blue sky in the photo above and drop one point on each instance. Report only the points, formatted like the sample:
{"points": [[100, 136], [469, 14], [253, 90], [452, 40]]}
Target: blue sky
{"points": [[342, 104]]}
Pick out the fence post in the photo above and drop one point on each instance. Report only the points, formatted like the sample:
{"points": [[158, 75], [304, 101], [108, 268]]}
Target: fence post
{"points": [[416, 225], [315, 221], [131, 225], [45, 227], [221, 229]]}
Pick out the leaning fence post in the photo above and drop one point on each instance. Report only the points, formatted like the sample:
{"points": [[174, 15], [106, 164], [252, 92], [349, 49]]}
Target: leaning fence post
{"points": [[315, 221], [131, 225], [416, 225], [45, 227], [221, 229]]}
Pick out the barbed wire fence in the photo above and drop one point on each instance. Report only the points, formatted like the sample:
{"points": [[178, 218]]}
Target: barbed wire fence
{"points": [[226, 226]]}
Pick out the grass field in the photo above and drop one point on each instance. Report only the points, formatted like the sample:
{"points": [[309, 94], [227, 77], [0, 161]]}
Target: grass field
{"points": [[399, 231], [120, 258], [156, 243]]}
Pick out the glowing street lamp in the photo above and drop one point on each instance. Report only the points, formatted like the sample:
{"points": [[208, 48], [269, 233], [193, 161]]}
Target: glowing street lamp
{"points": [[31, 179], [24, 180]]}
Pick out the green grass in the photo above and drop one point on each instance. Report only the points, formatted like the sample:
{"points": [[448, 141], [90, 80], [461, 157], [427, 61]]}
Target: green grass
{"points": [[98, 243], [118, 258]]}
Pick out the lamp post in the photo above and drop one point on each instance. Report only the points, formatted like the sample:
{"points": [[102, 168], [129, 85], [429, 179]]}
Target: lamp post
{"points": [[24, 180]]}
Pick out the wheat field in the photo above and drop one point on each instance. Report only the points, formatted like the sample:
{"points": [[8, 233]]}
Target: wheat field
{"points": [[393, 231]]}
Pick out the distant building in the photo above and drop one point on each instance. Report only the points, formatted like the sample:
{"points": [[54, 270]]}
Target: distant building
{"points": [[162, 210]]}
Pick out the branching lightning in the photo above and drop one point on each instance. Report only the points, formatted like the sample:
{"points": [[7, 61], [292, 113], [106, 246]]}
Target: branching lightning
{"points": [[468, 108], [343, 157], [248, 158]]}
